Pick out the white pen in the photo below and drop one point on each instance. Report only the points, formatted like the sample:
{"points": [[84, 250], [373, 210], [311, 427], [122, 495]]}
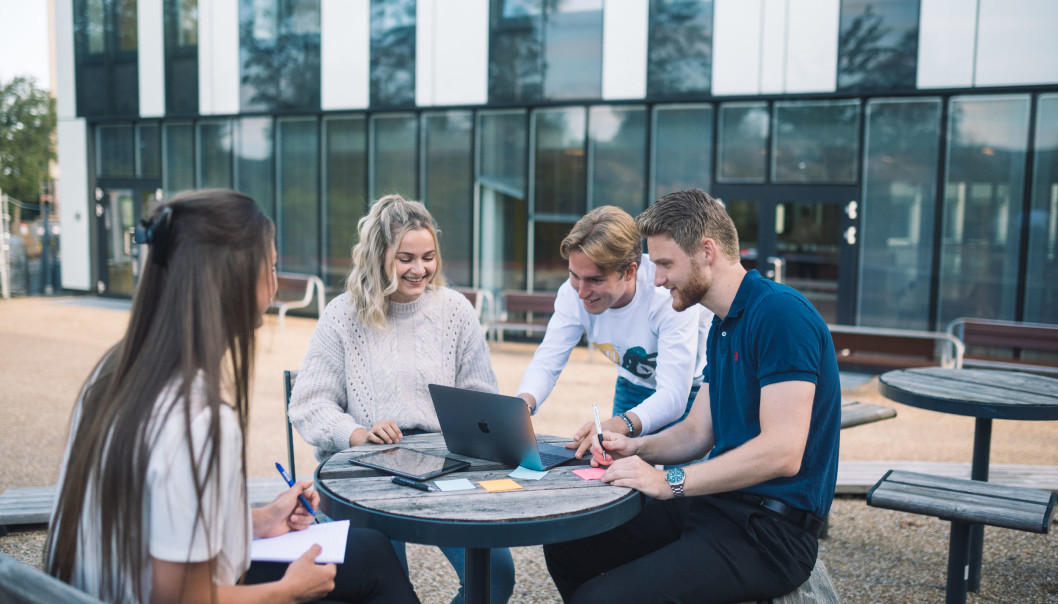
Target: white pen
{"points": [[598, 428]]}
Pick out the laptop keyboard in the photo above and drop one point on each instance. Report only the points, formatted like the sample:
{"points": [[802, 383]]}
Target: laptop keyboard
{"points": [[549, 459]]}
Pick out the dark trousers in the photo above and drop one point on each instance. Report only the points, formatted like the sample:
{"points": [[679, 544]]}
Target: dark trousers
{"points": [[692, 549], [371, 572]]}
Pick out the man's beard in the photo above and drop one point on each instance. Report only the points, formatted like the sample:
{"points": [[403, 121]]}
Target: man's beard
{"points": [[697, 286]]}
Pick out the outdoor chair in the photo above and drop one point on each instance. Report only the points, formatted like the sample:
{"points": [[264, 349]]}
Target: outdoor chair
{"points": [[288, 387]]}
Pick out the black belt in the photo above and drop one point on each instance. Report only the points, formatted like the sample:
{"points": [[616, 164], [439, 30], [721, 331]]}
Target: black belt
{"points": [[806, 520]]}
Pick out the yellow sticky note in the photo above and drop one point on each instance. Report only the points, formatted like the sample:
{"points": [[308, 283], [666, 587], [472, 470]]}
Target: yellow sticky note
{"points": [[503, 484]]}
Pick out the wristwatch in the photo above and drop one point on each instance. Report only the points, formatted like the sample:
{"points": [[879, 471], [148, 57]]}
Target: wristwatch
{"points": [[675, 477]]}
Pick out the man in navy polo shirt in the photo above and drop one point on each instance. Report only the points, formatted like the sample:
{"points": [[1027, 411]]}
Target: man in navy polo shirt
{"points": [[743, 523]]}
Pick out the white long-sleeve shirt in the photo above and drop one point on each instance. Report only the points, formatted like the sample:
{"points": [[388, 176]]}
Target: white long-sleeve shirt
{"points": [[653, 346]]}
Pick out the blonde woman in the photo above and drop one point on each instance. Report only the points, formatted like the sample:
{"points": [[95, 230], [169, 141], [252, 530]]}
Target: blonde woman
{"points": [[380, 343]]}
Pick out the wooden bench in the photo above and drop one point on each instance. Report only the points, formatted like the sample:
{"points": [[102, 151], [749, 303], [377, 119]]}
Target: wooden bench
{"points": [[296, 290], [964, 503], [879, 349], [984, 336], [23, 584], [523, 311], [856, 413]]}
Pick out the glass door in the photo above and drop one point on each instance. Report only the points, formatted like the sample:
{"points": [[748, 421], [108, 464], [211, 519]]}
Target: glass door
{"points": [[118, 210]]}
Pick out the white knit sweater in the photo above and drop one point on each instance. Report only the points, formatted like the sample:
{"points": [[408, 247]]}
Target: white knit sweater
{"points": [[354, 376]]}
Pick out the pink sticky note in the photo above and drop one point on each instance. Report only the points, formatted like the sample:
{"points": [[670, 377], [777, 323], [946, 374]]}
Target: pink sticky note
{"points": [[590, 473]]}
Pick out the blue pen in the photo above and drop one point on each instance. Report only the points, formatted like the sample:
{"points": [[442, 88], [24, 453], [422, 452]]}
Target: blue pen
{"points": [[301, 498]]}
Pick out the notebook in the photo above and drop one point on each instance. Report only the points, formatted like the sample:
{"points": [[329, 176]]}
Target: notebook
{"points": [[492, 426]]}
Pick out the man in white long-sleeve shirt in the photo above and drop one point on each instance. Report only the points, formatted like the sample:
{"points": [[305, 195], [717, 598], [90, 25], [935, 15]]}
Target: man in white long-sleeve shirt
{"points": [[610, 297]]}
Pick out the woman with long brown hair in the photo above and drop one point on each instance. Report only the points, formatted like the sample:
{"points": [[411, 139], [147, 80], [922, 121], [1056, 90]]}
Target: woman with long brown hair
{"points": [[152, 500]]}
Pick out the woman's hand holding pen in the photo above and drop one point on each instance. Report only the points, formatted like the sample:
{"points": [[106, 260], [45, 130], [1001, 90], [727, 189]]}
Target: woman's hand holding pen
{"points": [[285, 514]]}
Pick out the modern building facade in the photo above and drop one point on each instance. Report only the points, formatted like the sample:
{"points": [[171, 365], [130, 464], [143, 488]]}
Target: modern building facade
{"points": [[897, 158]]}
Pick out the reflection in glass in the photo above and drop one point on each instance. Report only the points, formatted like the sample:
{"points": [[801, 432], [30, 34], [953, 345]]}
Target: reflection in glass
{"points": [[148, 151], [392, 53], [618, 145], [501, 190], [742, 142], [516, 49], [808, 240], [393, 145], [299, 222], [573, 49], [746, 216], [105, 56], [987, 137], [345, 187], [559, 167], [213, 146], [126, 25], [899, 200], [448, 188], [549, 269], [116, 152], [680, 47], [682, 152], [181, 56], [279, 54], [816, 141], [1041, 286], [878, 44], [178, 173], [255, 158]]}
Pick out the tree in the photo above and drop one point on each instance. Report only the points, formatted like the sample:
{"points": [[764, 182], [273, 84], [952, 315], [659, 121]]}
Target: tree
{"points": [[27, 129]]}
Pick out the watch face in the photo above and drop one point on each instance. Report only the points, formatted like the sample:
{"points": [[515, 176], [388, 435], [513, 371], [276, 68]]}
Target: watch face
{"points": [[675, 476]]}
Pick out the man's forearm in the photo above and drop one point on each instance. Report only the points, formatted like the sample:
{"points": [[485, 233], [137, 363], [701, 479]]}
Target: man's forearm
{"points": [[683, 442]]}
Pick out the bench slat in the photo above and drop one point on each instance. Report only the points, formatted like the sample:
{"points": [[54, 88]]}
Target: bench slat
{"points": [[855, 413], [975, 487]]}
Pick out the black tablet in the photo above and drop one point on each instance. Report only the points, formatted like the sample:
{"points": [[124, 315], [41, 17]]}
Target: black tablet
{"points": [[409, 463]]}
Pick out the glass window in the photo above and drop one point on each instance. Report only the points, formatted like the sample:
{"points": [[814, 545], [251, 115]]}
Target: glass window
{"points": [[877, 44], [299, 193], [393, 162], [213, 150], [178, 153], [1041, 287], [682, 150], [573, 50], [559, 169], [254, 162], [279, 52], [181, 56], [345, 190], [680, 51], [501, 189], [743, 142], [899, 201], [105, 56], [116, 153], [987, 138], [618, 137], [448, 188], [516, 50], [148, 151], [549, 269], [392, 53], [816, 141]]}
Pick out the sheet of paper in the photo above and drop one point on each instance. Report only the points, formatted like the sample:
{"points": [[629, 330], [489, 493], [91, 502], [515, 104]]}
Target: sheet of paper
{"points": [[503, 484], [527, 474], [590, 473], [330, 536], [456, 484]]}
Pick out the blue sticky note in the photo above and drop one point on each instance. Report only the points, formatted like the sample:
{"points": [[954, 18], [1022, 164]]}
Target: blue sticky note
{"points": [[527, 474], [457, 484]]}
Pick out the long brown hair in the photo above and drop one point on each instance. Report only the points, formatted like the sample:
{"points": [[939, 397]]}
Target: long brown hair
{"points": [[192, 321]]}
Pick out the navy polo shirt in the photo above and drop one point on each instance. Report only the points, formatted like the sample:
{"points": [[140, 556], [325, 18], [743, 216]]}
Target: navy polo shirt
{"points": [[773, 334]]}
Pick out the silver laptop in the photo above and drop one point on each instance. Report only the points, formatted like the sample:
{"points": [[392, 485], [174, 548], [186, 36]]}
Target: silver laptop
{"points": [[492, 426]]}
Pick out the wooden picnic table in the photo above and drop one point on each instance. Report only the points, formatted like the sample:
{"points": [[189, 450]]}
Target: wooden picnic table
{"points": [[559, 507]]}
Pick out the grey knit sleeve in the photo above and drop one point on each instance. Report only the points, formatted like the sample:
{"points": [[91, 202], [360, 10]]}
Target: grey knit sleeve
{"points": [[473, 368]]}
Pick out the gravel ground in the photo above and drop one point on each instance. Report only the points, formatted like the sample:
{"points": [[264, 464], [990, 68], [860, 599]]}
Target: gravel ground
{"points": [[47, 347]]}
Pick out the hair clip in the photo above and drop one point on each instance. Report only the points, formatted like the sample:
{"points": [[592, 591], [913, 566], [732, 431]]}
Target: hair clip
{"points": [[155, 233]]}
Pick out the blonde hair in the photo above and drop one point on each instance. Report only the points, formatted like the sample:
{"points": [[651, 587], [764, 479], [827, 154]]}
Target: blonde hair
{"points": [[374, 277], [608, 237]]}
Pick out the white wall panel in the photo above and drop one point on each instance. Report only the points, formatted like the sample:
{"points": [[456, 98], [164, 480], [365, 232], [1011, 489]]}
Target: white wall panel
{"points": [[773, 46], [452, 52], [151, 57], [946, 43], [65, 78], [75, 207], [345, 48], [425, 51], [812, 45], [218, 57], [736, 46], [1017, 42], [624, 49]]}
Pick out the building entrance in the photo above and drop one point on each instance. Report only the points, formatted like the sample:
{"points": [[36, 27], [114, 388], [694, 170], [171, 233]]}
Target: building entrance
{"points": [[804, 237], [119, 207]]}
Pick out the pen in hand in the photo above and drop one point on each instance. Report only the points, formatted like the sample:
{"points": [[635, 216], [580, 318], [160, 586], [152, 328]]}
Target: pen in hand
{"points": [[598, 428], [301, 498]]}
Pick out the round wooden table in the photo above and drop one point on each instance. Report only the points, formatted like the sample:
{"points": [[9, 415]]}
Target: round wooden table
{"points": [[559, 507], [984, 394]]}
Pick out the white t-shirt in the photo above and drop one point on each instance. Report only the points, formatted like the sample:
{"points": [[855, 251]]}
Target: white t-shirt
{"points": [[652, 345], [170, 503]]}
